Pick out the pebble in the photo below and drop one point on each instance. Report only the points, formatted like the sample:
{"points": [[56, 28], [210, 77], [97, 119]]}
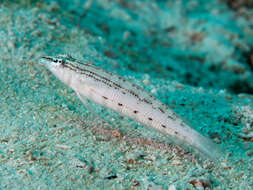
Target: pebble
{"points": [[172, 187]]}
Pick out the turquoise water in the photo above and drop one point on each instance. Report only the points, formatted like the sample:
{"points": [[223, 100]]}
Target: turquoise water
{"points": [[192, 55]]}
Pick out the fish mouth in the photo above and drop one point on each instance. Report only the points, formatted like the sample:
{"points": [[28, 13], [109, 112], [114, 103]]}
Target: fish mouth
{"points": [[43, 61], [46, 60]]}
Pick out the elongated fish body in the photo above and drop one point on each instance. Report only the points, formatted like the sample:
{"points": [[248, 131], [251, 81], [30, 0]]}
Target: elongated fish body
{"points": [[122, 96]]}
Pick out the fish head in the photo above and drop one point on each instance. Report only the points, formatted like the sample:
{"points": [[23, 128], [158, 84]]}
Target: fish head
{"points": [[57, 65], [55, 61]]}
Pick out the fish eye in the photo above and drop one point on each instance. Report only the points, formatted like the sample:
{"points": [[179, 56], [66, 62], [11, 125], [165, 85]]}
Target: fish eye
{"points": [[59, 61], [62, 61]]}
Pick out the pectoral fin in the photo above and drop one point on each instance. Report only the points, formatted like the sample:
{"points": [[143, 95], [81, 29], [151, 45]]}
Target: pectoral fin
{"points": [[82, 98]]}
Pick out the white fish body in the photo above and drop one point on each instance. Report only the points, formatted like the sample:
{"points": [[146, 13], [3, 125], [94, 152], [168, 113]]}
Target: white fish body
{"points": [[116, 93]]}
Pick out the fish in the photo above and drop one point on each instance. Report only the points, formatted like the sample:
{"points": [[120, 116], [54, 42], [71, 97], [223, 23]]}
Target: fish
{"points": [[119, 94]]}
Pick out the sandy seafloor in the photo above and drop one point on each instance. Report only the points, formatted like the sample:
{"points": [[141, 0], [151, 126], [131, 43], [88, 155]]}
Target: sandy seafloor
{"points": [[195, 56]]}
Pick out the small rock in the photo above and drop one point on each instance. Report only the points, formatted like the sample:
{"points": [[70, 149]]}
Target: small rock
{"points": [[200, 183], [146, 81], [176, 162], [63, 147], [116, 133], [172, 187], [136, 183]]}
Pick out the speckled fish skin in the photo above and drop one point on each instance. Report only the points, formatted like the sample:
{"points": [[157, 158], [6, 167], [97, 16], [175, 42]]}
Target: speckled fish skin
{"points": [[117, 93]]}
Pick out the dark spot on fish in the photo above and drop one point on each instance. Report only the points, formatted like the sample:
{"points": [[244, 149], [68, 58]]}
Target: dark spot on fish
{"points": [[105, 97], [120, 104], [147, 101], [163, 126], [182, 124], [170, 117], [161, 110], [47, 58], [135, 111], [150, 119]]}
